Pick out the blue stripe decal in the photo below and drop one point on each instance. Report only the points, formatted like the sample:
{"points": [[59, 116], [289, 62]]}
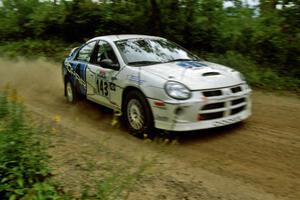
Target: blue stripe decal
{"points": [[191, 64]]}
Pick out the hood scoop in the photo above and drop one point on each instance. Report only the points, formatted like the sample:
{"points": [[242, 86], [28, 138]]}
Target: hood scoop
{"points": [[211, 74]]}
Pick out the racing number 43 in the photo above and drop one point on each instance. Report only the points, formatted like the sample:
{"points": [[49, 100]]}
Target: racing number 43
{"points": [[102, 87]]}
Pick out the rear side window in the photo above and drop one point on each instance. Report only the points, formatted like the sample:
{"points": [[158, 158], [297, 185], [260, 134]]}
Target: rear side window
{"points": [[85, 52]]}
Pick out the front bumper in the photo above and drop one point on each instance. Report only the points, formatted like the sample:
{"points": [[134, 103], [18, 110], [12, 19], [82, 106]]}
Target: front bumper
{"points": [[206, 109]]}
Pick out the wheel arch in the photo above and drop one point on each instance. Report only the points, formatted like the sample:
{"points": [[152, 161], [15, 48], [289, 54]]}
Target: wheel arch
{"points": [[149, 126], [127, 90]]}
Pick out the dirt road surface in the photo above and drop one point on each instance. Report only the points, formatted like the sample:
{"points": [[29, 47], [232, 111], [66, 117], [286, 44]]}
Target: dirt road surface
{"points": [[258, 159]]}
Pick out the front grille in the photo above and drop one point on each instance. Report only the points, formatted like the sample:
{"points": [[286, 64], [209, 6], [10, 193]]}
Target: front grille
{"points": [[238, 101], [212, 93], [209, 116], [213, 106], [236, 89], [237, 110], [224, 102]]}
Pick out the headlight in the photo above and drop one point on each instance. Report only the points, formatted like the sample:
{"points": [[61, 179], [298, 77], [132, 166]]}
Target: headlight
{"points": [[177, 90]]}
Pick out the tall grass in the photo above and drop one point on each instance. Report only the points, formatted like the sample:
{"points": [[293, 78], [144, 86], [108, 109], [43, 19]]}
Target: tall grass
{"points": [[24, 173]]}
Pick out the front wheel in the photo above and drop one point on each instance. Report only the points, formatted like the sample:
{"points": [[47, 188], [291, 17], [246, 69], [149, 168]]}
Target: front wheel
{"points": [[138, 115]]}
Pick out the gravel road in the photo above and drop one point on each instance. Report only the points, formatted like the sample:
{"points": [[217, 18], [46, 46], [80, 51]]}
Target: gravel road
{"points": [[257, 159]]}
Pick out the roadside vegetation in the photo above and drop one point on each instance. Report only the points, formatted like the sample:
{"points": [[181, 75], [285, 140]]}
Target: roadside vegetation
{"points": [[24, 173], [24, 170], [262, 40], [258, 77]]}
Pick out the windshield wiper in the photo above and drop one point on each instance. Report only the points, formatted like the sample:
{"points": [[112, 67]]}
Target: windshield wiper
{"points": [[144, 62]]}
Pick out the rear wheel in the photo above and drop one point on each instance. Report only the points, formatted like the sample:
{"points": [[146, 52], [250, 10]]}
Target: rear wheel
{"points": [[70, 92], [138, 115]]}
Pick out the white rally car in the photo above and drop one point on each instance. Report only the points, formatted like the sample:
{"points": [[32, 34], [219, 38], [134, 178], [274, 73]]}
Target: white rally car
{"points": [[155, 83]]}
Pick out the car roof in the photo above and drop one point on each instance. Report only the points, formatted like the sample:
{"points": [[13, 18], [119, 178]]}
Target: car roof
{"points": [[114, 38]]}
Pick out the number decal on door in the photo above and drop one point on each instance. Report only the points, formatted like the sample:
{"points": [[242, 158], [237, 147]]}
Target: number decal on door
{"points": [[103, 87]]}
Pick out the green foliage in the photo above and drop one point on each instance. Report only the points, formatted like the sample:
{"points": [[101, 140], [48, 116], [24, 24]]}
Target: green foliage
{"points": [[266, 35], [24, 172], [3, 107], [29, 48], [23, 158], [255, 75]]}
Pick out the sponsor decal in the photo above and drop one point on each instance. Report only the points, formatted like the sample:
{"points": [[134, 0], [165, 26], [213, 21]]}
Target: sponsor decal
{"points": [[135, 79], [112, 86], [75, 75], [191, 64], [102, 73], [104, 87]]}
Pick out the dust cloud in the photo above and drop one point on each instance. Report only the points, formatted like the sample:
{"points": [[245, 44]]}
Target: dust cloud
{"points": [[40, 84], [31, 77]]}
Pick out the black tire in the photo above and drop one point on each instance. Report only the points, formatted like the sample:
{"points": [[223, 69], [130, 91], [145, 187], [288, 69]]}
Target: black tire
{"points": [[70, 92], [138, 115]]}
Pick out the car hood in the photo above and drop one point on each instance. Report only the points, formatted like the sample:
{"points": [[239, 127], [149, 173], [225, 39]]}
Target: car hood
{"points": [[196, 75]]}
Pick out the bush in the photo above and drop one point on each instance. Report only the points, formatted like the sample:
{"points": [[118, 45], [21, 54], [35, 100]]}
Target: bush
{"points": [[257, 76]]}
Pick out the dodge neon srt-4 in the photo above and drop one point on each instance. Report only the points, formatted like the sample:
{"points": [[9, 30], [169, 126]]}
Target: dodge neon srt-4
{"points": [[155, 83]]}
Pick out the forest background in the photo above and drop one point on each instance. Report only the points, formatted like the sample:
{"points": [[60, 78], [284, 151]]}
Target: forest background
{"points": [[262, 40]]}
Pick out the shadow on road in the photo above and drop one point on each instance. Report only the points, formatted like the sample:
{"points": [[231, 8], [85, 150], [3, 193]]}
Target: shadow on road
{"points": [[205, 135]]}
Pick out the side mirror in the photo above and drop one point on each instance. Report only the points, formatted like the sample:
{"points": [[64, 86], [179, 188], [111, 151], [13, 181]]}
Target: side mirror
{"points": [[107, 63]]}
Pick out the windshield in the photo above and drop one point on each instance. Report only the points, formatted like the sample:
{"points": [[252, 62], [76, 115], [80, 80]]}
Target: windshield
{"points": [[148, 51]]}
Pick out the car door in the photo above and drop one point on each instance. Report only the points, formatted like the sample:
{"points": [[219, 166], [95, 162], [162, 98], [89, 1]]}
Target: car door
{"points": [[77, 67], [101, 87]]}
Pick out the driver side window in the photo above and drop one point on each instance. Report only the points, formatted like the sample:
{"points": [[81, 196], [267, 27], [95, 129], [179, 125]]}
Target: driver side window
{"points": [[85, 52], [105, 51]]}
